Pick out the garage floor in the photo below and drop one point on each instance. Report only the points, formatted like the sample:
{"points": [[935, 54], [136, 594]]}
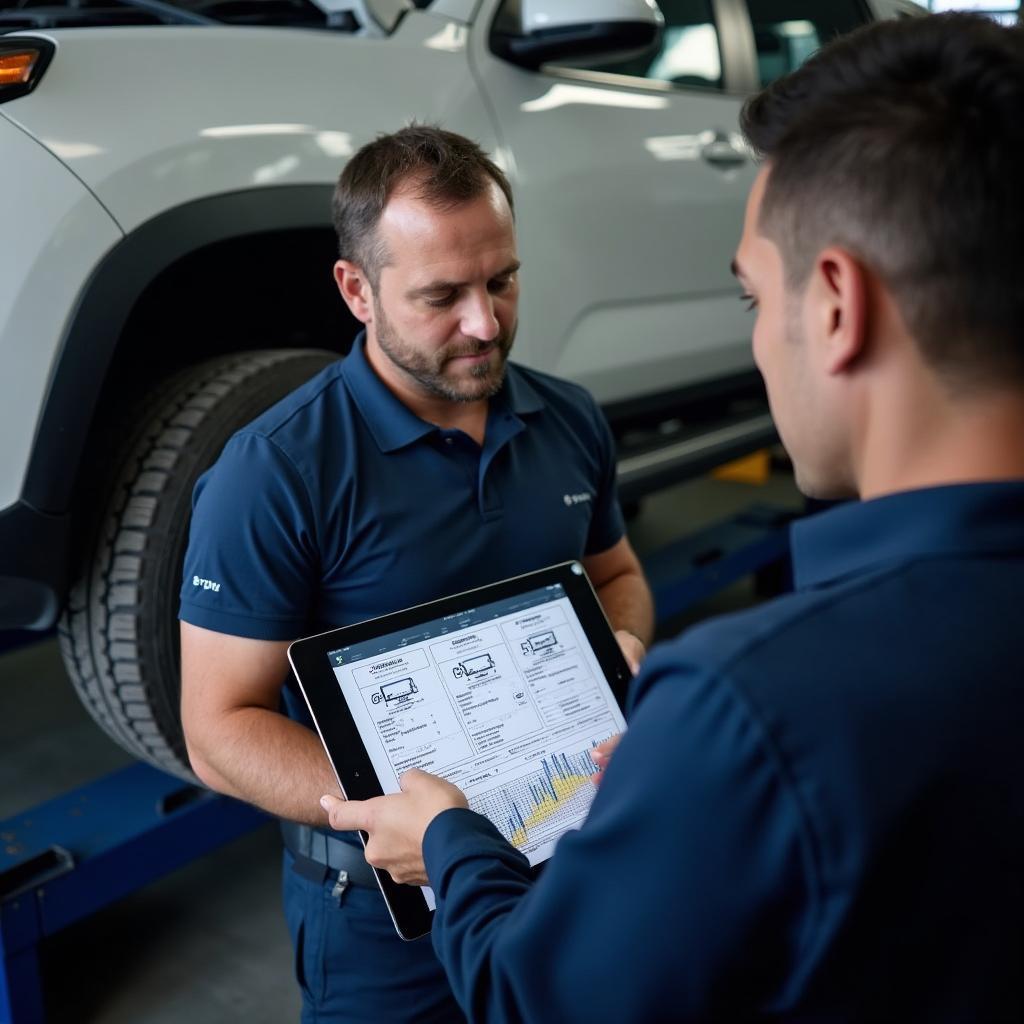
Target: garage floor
{"points": [[207, 944]]}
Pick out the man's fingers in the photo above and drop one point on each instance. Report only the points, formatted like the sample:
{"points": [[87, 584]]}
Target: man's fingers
{"points": [[431, 792], [632, 649], [345, 815], [601, 755], [603, 751], [409, 779]]}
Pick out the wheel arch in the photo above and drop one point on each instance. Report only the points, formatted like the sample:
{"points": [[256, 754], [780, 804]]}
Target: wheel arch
{"points": [[241, 271], [105, 343]]}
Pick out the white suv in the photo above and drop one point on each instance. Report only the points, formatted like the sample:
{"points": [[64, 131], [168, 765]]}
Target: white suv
{"points": [[166, 168]]}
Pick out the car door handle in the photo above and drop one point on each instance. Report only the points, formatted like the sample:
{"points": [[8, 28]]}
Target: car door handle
{"points": [[721, 151]]}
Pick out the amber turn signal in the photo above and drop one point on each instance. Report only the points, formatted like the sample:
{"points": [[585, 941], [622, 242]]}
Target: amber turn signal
{"points": [[16, 68], [22, 63]]}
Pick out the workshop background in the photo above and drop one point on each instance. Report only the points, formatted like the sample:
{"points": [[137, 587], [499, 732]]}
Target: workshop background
{"points": [[83, 939]]}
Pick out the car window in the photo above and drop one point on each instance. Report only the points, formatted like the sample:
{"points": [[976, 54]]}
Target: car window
{"points": [[787, 32], [689, 54]]}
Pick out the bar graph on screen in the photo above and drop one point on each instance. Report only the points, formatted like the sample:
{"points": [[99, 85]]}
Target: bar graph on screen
{"points": [[541, 804]]}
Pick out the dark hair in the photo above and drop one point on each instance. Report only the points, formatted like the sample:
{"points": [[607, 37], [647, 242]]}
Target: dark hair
{"points": [[903, 142], [443, 168]]}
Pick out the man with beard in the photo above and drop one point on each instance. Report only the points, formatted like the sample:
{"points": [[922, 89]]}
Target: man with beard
{"points": [[420, 465]]}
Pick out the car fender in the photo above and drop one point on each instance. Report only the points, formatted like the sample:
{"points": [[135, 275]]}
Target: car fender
{"points": [[290, 106], [55, 233]]}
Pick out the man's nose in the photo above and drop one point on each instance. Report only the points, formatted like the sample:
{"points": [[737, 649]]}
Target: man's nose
{"points": [[478, 319]]}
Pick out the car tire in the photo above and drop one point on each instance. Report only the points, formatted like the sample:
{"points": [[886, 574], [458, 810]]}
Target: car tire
{"points": [[119, 630]]}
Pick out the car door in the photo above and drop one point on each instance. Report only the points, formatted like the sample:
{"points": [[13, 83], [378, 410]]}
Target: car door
{"points": [[630, 181]]}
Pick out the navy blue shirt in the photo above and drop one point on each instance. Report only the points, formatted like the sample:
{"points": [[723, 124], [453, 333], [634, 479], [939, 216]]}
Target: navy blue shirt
{"points": [[817, 812], [339, 504]]}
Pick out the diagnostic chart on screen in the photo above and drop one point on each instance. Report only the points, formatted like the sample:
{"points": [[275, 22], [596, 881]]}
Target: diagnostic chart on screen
{"points": [[505, 700]]}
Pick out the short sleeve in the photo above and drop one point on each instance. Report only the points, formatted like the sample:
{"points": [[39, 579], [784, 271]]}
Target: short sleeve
{"points": [[607, 526], [251, 567]]}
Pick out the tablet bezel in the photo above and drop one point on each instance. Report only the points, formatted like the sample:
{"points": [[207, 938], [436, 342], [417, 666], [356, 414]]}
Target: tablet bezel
{"points": [[337, 728]]}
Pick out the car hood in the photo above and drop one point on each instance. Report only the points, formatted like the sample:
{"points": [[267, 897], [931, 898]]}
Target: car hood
{"points": [[151, 118]]}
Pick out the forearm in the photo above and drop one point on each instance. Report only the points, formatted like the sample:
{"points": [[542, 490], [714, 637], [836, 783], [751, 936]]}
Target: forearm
{"points": [[649, 874], [264, 758], [479, 880], [627, 602]]}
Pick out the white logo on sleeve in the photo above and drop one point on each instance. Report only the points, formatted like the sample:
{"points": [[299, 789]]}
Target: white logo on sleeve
{"points": [[205, 584], [576, 499]]}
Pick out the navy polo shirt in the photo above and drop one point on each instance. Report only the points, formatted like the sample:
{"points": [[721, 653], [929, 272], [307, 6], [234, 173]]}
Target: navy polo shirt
{"points": [[339, 504], [817, 813]]}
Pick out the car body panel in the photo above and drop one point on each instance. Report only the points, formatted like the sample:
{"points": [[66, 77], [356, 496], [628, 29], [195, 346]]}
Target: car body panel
{"points": [[142, 158], [640, 243], [58, 232]]}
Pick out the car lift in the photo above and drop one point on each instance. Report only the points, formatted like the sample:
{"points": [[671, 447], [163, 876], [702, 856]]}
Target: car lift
{"points": [[69, 857]]}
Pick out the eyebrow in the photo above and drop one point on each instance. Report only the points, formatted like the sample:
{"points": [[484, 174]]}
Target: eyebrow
{"points": [[737, 270], [451, 286]]}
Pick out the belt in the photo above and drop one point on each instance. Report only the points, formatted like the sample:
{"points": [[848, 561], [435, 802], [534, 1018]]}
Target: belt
{"points": [[318, 854]]}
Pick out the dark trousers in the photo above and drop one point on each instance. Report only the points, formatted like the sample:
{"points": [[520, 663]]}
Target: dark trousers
{"points": [[350, 963]]}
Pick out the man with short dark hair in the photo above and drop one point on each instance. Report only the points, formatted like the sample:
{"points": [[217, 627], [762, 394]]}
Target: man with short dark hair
{"points": [[818, 810], [420, 465]]}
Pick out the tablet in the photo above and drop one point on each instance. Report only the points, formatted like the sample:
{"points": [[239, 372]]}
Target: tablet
{"points": [[502, 690]]}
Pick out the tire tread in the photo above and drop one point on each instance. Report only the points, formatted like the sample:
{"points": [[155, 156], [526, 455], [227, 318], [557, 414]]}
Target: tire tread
{"points": [[117, 633]]}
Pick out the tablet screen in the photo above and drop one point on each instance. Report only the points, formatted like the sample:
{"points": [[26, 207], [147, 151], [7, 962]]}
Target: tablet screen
{"points": [[505, 700]]}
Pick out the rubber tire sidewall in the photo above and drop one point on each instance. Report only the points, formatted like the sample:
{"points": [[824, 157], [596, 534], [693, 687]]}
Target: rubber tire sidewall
{"points": [[119, 630]]}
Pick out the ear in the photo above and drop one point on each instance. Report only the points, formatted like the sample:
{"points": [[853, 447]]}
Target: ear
{"points": [[355, 290], [839, 294]]}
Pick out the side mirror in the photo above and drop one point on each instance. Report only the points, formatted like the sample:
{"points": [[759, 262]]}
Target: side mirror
{"points": [[535, 32]]}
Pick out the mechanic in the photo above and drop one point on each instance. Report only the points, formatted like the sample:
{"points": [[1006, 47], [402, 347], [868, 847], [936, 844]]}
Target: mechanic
{"points": [[818, 810], [419, 466]]}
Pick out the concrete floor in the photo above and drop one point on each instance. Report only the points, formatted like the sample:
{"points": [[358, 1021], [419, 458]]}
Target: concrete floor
{"points": [[207, 944], [204, 945]]}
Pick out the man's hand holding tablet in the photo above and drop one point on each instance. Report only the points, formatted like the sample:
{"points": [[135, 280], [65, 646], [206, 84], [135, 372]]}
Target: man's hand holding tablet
{"points": [[396, 823]]}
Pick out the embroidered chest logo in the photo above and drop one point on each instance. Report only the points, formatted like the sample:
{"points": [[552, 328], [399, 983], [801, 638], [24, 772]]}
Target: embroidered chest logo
{"points": [[576, 499]]}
